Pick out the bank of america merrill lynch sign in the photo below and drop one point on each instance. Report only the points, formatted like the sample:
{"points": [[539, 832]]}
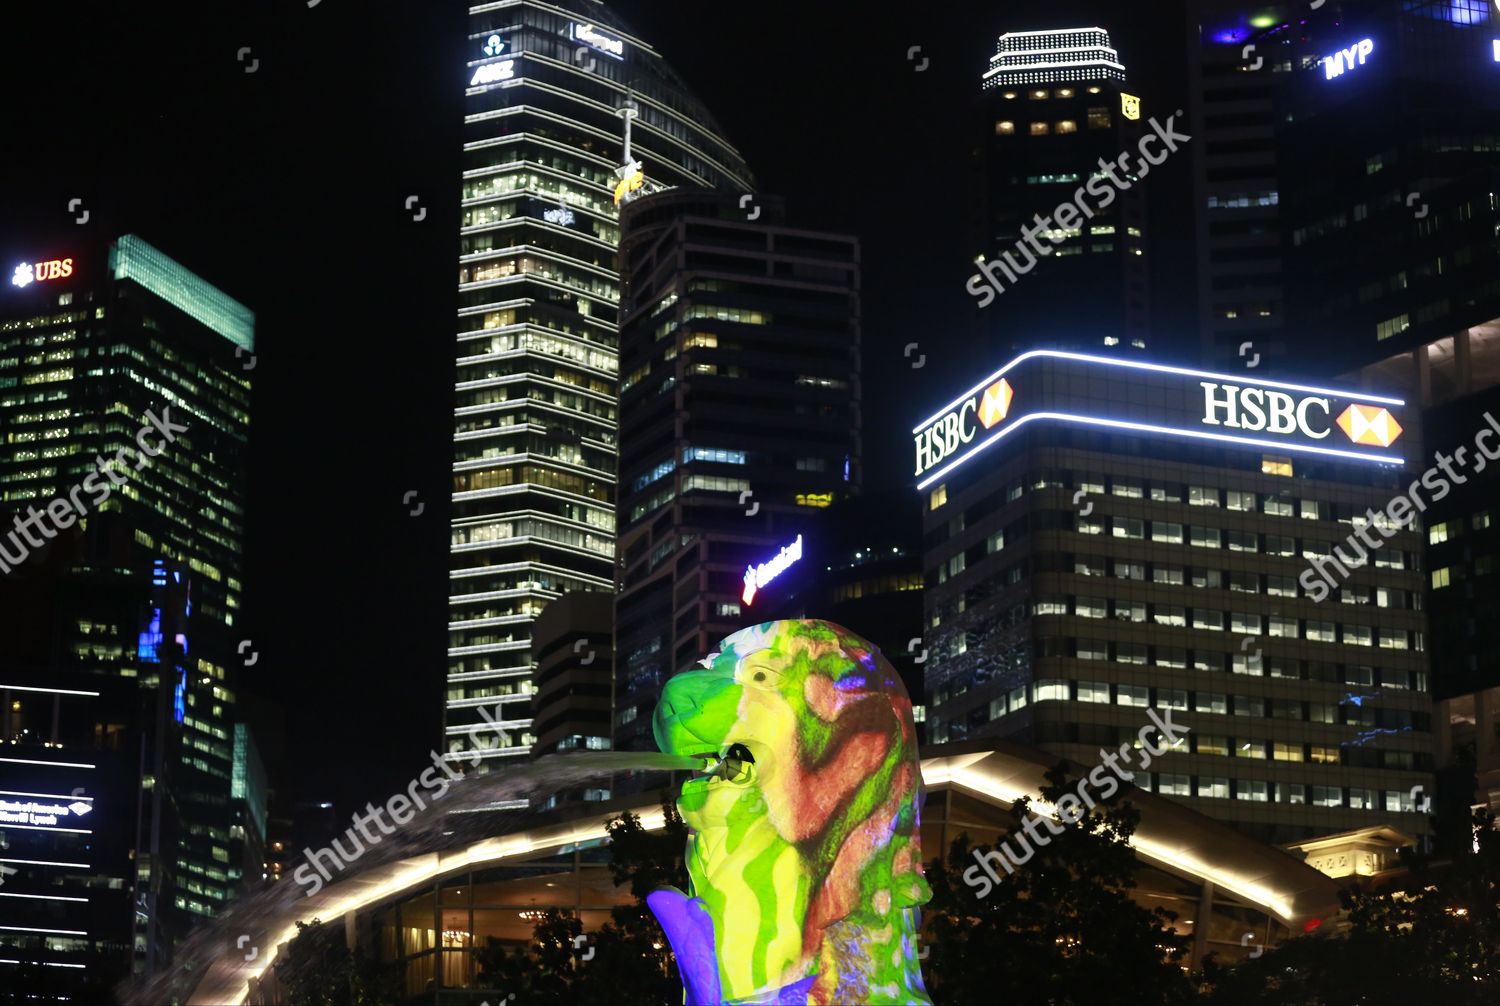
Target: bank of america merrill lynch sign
{"points": [[1150, 398]]}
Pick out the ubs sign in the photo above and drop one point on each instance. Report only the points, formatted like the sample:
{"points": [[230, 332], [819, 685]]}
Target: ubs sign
{"points": [[28, 273]]}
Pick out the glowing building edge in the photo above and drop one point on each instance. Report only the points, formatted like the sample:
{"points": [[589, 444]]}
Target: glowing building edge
{"points": [[1271, 882], [1122, 424], [1158, 368]]}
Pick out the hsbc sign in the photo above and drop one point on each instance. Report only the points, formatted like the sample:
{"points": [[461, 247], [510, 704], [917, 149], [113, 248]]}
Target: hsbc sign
{"points": [[945, 437], [1127, 397], [1257, 410], [1261, 410]]}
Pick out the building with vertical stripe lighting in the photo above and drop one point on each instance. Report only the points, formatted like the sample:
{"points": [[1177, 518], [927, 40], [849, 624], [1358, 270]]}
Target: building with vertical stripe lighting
{"points": [[568, 114]]}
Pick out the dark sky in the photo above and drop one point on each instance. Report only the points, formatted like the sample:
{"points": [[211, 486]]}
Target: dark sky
{"points": [[287, 187]]}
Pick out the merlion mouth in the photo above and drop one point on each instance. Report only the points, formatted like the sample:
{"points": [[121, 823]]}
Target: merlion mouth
{"points": [[735, 766]]}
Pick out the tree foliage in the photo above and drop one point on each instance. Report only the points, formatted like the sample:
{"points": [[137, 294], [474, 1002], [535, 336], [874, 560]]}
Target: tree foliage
{"points": [[318, 969], [1062, 928], [1434, 938]]}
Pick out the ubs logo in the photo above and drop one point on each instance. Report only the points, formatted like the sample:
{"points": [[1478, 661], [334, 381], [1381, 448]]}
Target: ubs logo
{"points": [[28, 273]]}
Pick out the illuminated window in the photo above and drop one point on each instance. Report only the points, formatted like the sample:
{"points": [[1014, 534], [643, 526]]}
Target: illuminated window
{"points": [[937, 498], [1212, 702], [1040, 129], [1010, 95], [1099, 118], [1270, 465], [1051, 691], [1090, 607], [1439, 533], [1392, 327], [1093, 691], [1212, 744], [1442, 578], [1065, 92], [1067, 126], [1039, 95], [1095, 90], [1005, 128], [1169, 784]]}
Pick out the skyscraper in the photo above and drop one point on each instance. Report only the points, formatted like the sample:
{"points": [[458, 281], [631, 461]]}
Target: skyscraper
{"points": [[1389, 161], [1056, 110], [551, 92], [124, 404], [1110, 541], [739, 425], [1237, 54]]}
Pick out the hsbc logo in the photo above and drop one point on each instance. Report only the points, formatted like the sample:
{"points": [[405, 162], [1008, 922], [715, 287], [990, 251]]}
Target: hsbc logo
{"points": [[1258, 410], [1370, 425], [960, 426]]}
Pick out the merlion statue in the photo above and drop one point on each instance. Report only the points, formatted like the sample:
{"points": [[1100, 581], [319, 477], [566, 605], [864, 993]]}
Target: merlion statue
{"points": [[804, 850]]}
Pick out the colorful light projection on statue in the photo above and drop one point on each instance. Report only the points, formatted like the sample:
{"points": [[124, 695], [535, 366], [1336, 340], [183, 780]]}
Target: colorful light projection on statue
{"points": [[805, 852]]}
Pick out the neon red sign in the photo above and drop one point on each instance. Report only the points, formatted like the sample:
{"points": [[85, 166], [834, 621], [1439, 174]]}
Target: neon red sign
{"points": [[28, 273]]}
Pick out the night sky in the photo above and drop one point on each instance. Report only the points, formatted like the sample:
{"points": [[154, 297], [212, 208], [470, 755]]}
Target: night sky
{"points": [[287, 188]]}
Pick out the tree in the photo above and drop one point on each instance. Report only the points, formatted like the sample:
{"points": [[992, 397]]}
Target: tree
{"points": [[1062, 928], [1434, 939], [631, 963], [318, 969]]}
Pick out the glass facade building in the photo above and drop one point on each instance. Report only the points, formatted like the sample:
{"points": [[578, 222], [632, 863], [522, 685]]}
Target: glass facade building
{"points": [[135, 572], [536, 429]]}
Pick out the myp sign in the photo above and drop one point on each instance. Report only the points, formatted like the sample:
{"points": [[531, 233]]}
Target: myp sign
{"points": [[1345, 60]]}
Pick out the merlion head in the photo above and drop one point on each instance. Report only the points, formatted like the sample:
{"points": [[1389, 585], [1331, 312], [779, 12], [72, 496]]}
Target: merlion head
{"points": [[805, 849]]}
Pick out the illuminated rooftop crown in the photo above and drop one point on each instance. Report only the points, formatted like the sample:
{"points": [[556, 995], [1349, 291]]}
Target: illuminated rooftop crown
{"points": [[1064, 55]]}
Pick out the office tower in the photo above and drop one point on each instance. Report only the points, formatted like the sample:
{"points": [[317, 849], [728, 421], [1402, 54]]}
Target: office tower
{"points": [[739, 424], [1237, 54], [551, 91], [68, 787], [249, 793], [1388, 165], [573, 649], [124, 402], [1111, 541], [1388, 198], [1056, 109]]}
